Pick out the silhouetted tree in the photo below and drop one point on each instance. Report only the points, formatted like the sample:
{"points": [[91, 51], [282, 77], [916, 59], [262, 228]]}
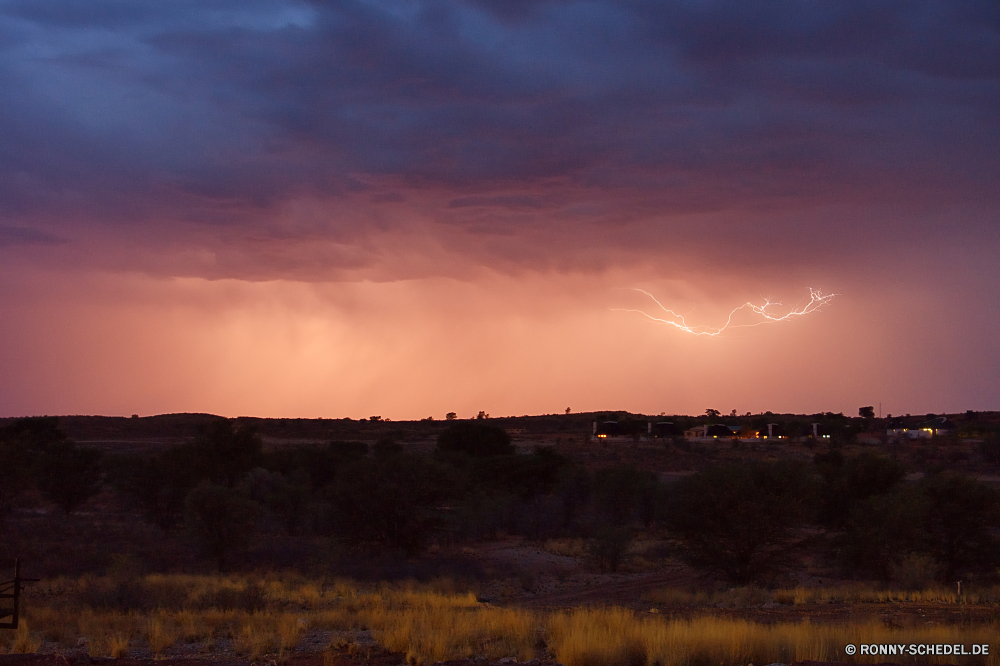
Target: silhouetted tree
{"points": [[621, 491], [387, 446], [574, 486], [524, 476], [948, 518], [320, 463], [221, 519], [881, 531], [287, 498], [17, 451], [609, 546], [990, 450], [159, 484], [68, 475], [960, 518], [35, 451], [389, 501], [849, 481], [475, 439], [224, 454], [737, 519]]}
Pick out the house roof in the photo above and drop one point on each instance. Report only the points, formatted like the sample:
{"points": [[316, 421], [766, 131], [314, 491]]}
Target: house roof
{"points": [[938, 423]]}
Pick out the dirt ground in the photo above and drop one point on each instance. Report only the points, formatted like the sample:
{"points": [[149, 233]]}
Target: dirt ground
{"points": [[547, 580], [559, 582]]}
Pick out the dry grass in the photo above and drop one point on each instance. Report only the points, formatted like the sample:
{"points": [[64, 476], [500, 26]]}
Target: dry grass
{"points": [[750, 596], [161, 633], [24, 640], [614, 637], [112, 644], [435, 622], [863, 594], [431, 634], [258, 636]]}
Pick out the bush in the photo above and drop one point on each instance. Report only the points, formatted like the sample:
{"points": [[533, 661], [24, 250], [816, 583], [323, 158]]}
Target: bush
{"points": [[221, 519], [158, 484], [389, 501], [947, 518], [961, 515], [524, 476], [622, 492], [914, 572], [609, 546], [737, 518], [68, 475], [881, 532], [224, 455], [990, 450], [847, 482], [475, 439], [35, 451]]}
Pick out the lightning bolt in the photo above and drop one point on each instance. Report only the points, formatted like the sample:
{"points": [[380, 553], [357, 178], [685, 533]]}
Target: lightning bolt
{"points": [[817, 300]]}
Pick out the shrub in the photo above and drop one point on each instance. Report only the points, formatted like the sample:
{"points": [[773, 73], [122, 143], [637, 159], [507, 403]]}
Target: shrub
{"points": [[609, 546], [221, 519], [68, 475], [990, 450], [736, 519], [960, 518], [914, 572], [475, 439], [623, 491], [847, 482], [880, 532], [389, 501]]}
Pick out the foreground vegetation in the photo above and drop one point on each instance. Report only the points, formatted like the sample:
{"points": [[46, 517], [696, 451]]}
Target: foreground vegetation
{"points": [[428, 623], [326, 513], [215, 496]]}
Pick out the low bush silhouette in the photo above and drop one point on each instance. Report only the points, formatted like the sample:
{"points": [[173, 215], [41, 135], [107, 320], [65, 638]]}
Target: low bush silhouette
{"points": [[221, 519], [475, 438], [737, 519]]}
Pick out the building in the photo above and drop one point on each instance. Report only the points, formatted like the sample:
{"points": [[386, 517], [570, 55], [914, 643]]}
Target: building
{"points": [[714, 431], [775, 431], [816, 431], [939, 425], [663, 429], [608, 431]]}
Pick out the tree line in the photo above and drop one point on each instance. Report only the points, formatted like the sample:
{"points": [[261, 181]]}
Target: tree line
{"points": [[743, 521]]}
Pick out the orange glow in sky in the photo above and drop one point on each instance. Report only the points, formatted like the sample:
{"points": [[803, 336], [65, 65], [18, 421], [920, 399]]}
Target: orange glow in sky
{"points": [[407, 209]]}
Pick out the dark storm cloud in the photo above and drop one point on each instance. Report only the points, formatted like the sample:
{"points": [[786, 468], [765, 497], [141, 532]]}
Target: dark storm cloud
{"points": [[219, 112]]}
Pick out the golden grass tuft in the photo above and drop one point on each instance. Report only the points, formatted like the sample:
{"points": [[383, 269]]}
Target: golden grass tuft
{"points": [[290, 630], [261, 634], [110, 644], [614, 637], [161, 633], [25, 642], [431, 634], [438, 622]]}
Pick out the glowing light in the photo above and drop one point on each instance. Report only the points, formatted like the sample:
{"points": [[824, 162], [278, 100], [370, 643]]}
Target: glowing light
{"points": [[817, 300]]}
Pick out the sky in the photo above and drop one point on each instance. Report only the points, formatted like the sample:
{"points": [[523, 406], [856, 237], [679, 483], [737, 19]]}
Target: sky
{"points": [[406, 208]]}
